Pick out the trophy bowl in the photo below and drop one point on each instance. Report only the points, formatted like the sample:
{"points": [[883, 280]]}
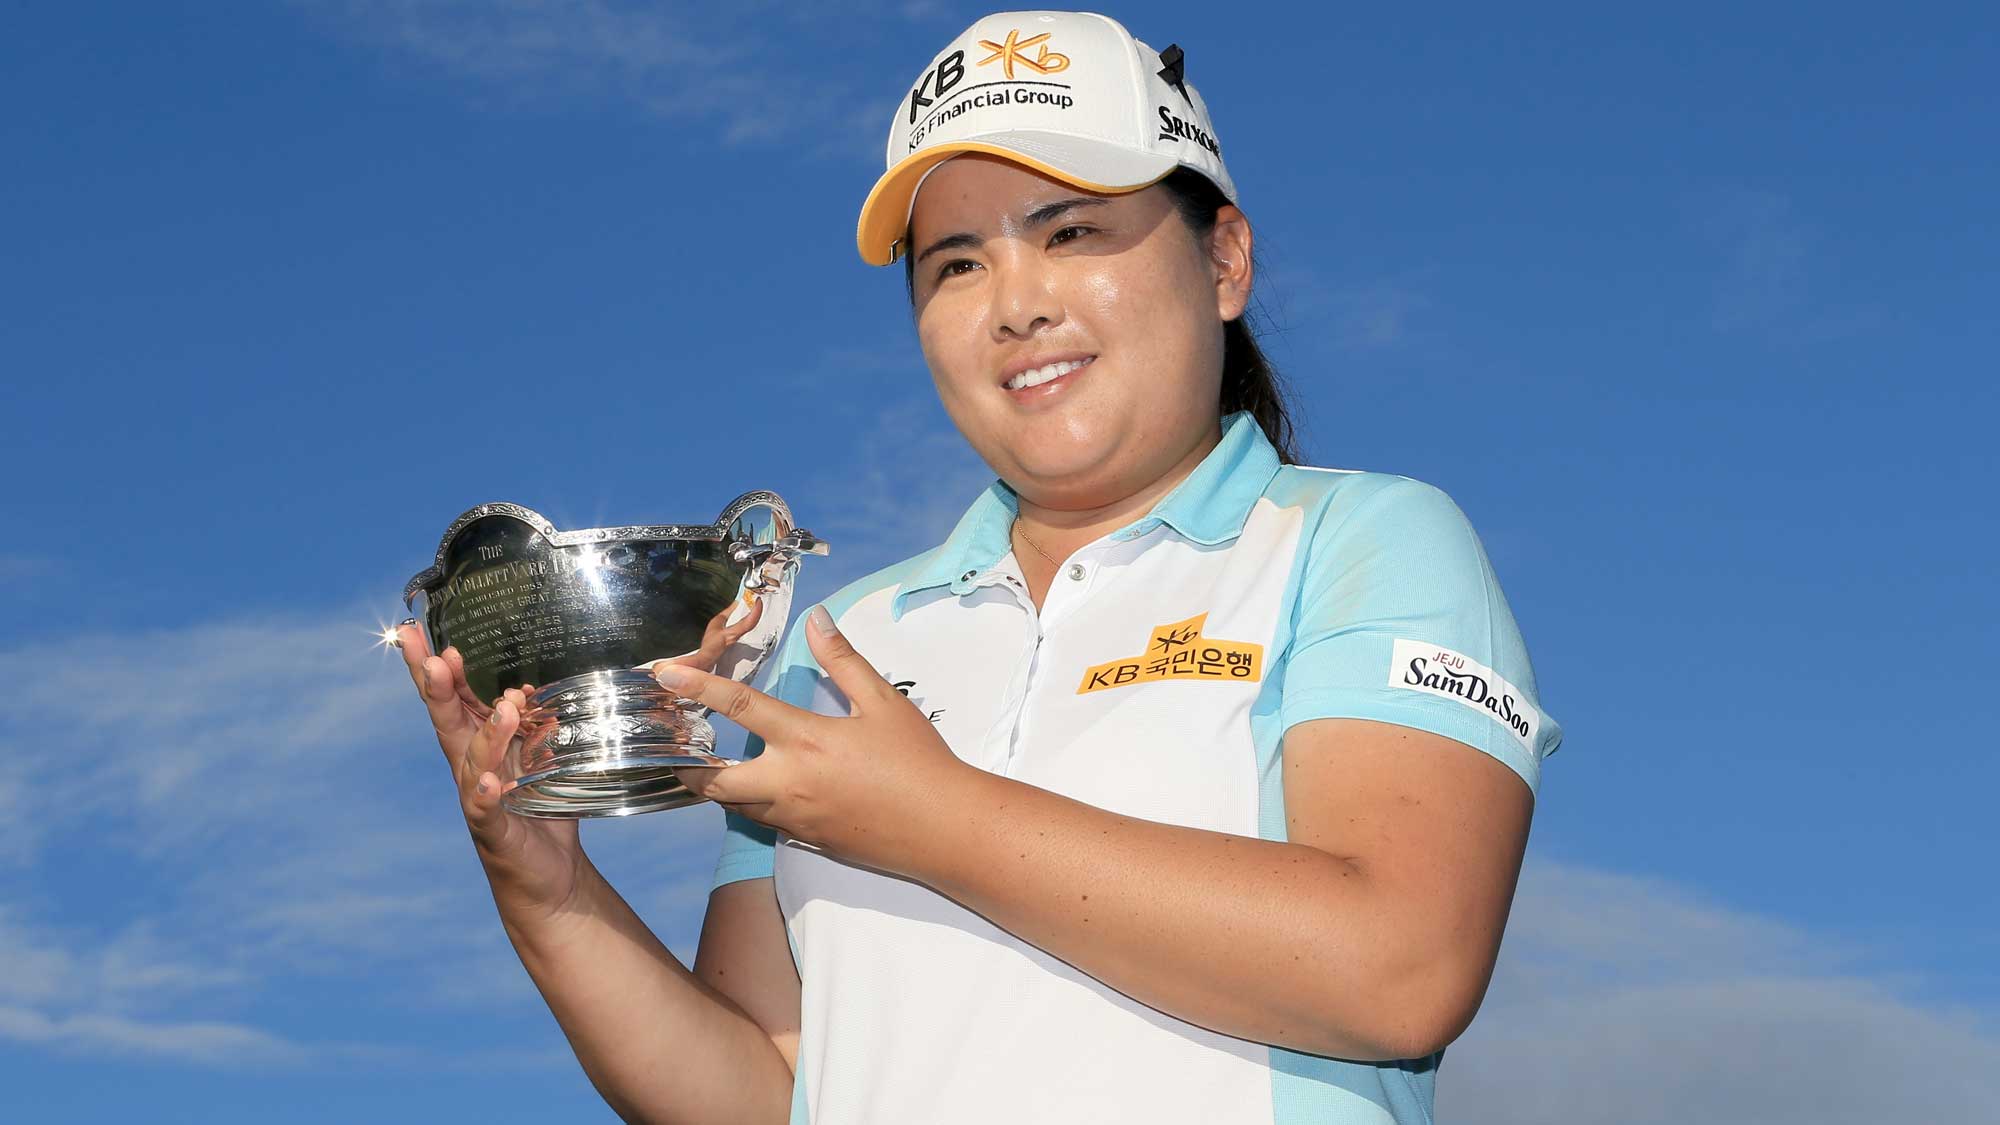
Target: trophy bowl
{"points": [[577, 619]]}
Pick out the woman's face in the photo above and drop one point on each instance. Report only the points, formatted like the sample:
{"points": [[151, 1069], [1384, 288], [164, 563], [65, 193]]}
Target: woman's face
{"points": [[1107, 304]]}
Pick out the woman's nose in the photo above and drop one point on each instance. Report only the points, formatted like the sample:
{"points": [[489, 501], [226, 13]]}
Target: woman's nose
{"points": [[1024, 301]]}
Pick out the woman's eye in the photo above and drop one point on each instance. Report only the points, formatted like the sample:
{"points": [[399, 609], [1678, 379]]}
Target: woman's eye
{"points": [[954, 267], [1068, 233]]}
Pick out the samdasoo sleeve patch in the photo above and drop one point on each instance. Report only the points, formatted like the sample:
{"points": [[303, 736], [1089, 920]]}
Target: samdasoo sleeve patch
{"points": [[1436, 670]]}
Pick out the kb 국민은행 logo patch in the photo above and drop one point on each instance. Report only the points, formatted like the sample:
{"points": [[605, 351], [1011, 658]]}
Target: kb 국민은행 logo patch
{"points": [[1179, 652]]}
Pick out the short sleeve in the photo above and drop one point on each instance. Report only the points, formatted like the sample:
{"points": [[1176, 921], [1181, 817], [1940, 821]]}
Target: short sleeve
{"points": [[747, 846], [1399, 619]]}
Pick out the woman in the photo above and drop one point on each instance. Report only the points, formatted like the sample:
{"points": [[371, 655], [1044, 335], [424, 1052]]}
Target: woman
{"points": [[1180, 784]]}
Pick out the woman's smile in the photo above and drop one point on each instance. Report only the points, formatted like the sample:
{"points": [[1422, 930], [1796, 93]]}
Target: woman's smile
{"points": [[1035, 381]]}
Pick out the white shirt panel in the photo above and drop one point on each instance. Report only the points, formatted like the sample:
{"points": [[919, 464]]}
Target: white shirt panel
{"points": [[916, 1009]]}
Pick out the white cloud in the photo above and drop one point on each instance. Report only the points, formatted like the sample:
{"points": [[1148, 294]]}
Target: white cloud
{"points": [[274, 787], [908, 477], [68, 991], [899, 475], [1628, 1000], [17, 834], [22, 568], [755, 71], [174, 737], [200, 1042], [1342, 315], [132, 967], [1773, 266], [1766, 250]]}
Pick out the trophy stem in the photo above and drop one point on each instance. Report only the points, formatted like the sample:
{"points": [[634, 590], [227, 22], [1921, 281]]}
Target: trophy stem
{"points": [[605, 744]]}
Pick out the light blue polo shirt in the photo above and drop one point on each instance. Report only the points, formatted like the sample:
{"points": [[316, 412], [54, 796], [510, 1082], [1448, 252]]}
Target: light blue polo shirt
{"points": [[1157, 680]]}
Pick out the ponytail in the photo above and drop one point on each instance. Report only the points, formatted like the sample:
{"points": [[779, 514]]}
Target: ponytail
{"points": [[1249, 382]]}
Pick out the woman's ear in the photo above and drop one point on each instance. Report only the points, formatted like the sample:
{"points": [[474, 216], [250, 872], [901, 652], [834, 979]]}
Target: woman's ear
{"points": [[1229, 245]]}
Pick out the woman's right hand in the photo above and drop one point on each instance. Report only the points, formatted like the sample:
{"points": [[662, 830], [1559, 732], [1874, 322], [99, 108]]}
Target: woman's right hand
{"points": [[534, 864]]}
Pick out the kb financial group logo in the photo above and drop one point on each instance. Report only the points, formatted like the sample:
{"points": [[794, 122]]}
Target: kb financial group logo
{"points": [[935, 89]]}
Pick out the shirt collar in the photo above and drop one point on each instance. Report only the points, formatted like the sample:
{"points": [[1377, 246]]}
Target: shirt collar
{"points": [[1208, 507]]}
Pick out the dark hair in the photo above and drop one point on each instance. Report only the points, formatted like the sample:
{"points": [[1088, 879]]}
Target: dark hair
{"points": [[1249, 382]]}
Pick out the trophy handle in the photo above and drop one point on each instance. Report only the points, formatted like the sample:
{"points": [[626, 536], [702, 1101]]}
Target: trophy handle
{"points": [[768, 569], [769, 561], [768, 564]]}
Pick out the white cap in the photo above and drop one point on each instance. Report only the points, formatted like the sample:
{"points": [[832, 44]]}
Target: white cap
{"points": [[1069, 94]]}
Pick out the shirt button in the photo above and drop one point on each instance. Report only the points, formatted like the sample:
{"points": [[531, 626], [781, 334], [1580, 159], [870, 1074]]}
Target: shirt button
{"points": [[967, 576], [1076, 572]]}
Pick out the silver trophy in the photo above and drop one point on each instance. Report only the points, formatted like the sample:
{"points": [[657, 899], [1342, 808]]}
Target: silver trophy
{"points": [[579, 618]]}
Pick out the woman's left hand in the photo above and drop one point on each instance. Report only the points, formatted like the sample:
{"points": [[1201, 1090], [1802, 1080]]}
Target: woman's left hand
{"points": [[846, 784]]}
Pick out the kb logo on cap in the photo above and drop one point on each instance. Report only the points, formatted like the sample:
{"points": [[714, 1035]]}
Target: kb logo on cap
{"points": [[1013, 51]]}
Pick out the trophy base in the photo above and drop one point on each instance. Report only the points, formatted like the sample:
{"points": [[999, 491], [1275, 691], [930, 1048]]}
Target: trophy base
{"points": [[605, 744]]}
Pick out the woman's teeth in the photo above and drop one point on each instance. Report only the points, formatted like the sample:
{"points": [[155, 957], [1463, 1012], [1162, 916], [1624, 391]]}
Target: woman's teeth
{"points": [[1042, 375]]}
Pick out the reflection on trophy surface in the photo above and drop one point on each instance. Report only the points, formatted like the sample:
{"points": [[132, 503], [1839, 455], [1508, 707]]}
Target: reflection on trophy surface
{"points": [[577, 618]]}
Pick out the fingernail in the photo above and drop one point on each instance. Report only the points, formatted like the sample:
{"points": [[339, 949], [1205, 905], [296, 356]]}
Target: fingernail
{"points": [[673, 676], [483, 787], [821, 620]]}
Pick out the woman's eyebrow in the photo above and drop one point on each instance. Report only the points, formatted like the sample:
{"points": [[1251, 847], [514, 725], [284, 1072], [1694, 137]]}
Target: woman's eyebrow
{"points": [[1049, 211], [963, 240], [1040, 216]]}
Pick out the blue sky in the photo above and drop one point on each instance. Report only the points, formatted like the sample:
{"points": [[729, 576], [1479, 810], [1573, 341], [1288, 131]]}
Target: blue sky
{"points": [[1690, 309]]}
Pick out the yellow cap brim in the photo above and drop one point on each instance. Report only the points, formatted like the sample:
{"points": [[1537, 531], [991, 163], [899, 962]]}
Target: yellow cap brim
{"points": [[885, 215]]}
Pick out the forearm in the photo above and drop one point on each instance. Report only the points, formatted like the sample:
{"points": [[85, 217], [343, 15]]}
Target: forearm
{"points": [[658, 1044], [1267, 941]]}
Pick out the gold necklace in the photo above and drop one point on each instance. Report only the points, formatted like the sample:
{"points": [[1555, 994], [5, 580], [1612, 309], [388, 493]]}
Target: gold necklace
{"points": [[1023, 533]]}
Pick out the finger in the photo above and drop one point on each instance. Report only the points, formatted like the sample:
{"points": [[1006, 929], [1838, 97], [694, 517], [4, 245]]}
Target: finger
{"points": [[483, 755], [463, 690], [739, 703], [415, 647], [718, 624], [848, 669], [739, 783], [733, 633], [717, 627], [480, 801], [720, 634], [482, 804], [759, 811], [480, 785], [448, 716]]}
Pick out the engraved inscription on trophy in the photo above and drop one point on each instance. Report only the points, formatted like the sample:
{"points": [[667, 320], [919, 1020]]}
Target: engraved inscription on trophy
{"points": [[522, 611]]}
